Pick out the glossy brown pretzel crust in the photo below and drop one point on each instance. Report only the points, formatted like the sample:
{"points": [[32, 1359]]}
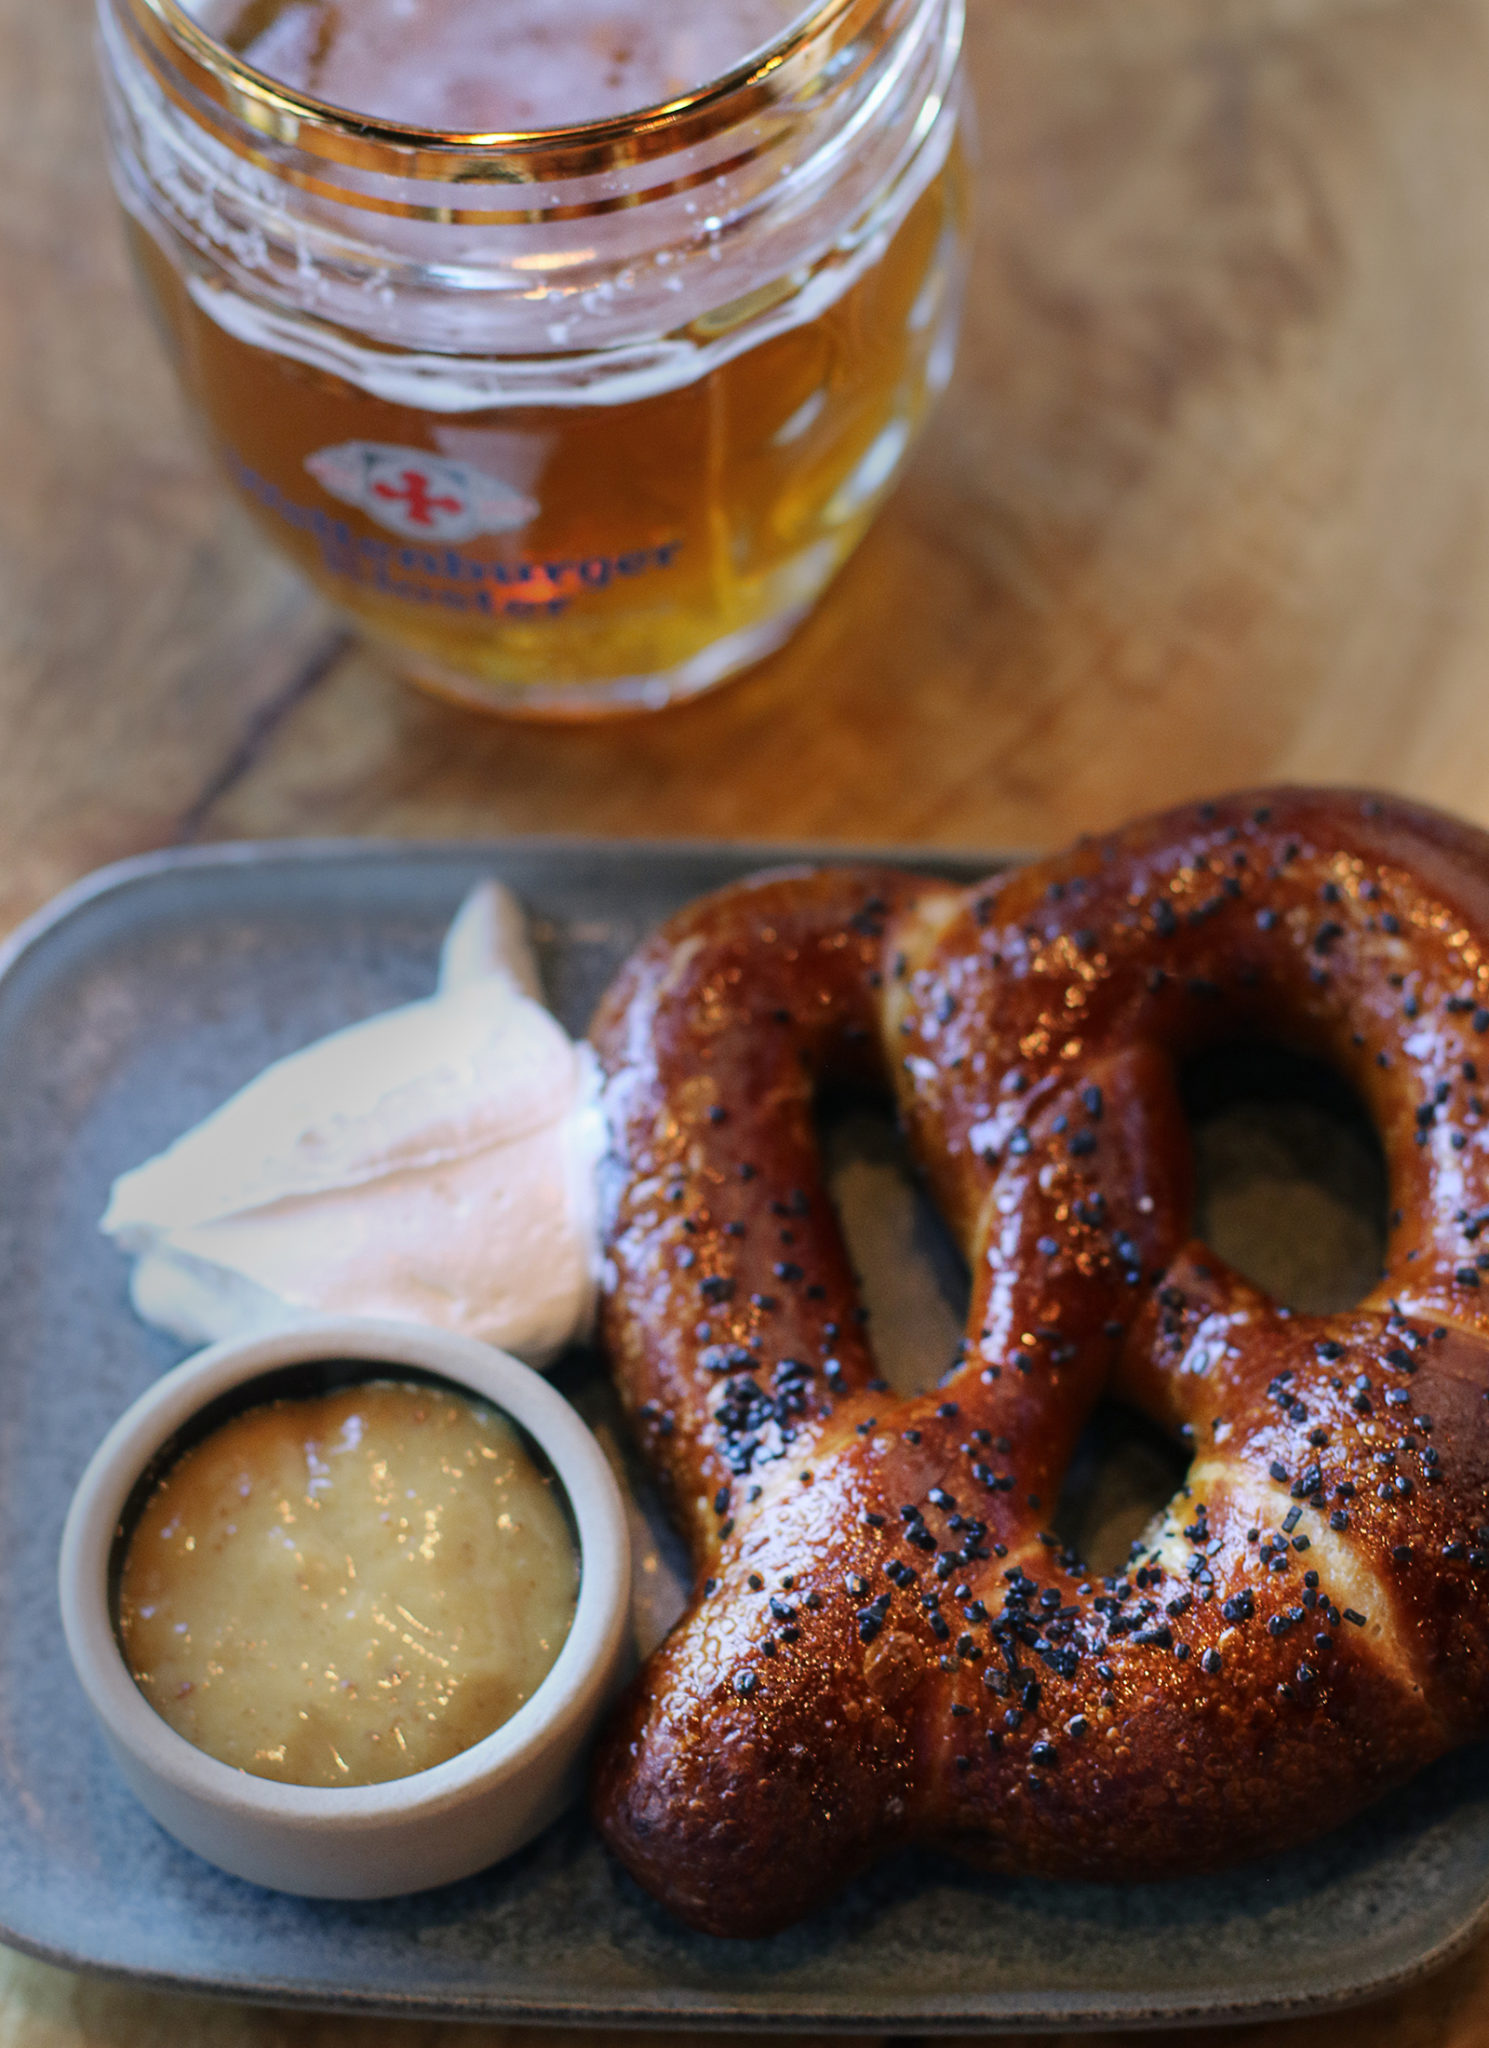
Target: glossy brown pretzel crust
{"points": [[884, 1644]]}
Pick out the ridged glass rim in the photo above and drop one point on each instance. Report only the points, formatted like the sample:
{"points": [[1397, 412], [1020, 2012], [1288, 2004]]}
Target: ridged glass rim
{"points": [[279, 114]]}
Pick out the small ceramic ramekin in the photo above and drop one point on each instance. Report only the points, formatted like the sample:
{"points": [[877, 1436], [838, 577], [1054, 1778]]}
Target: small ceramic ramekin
{"points": [[368, 1841]]}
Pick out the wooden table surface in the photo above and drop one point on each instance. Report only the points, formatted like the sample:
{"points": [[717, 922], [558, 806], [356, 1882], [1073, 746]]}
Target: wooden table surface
{"points": [[1208, 503]]}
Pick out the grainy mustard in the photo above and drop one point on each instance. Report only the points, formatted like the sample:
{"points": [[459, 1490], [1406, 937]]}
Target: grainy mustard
{"points": [[350, 1588]]}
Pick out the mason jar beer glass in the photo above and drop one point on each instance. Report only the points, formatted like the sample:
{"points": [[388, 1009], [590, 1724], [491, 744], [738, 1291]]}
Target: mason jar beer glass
{"points": [[571, 419]]}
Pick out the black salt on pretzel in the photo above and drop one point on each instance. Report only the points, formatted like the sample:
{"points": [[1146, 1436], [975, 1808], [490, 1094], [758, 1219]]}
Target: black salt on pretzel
{"points": [[885, 1643]]}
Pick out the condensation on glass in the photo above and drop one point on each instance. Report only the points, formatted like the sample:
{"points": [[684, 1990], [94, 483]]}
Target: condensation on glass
{"points": [[573, 420]]}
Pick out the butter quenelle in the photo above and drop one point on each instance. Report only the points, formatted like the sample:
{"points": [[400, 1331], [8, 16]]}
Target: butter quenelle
{"points": [[348, 1587]]}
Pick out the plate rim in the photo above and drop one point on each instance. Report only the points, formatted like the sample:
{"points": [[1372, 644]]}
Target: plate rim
{"points": [[132, 870], [688, 2011]]}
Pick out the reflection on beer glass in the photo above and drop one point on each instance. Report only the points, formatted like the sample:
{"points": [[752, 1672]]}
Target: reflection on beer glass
{"points": [[572, 419]]}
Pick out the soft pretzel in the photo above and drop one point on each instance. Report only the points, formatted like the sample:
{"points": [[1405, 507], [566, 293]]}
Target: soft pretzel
{"points": [[885, 1643]]}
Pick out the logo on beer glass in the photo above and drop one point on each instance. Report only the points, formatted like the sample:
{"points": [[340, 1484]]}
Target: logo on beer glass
{"points": [[418, 495]]}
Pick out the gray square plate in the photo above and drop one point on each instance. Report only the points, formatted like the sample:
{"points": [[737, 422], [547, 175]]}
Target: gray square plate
{"points": [[126, 1013]]}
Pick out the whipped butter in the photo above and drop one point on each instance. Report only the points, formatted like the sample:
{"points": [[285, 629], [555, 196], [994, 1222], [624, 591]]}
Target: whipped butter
{"points": [[349, 1588], [435, 1164]]}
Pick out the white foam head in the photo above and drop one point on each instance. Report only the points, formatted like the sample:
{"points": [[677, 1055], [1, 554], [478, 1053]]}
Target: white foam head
{"points": [[496, 65]]}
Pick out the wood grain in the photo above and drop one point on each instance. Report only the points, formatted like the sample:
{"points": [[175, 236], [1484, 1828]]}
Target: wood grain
{"points": [[1206, 503], [142, 633]]}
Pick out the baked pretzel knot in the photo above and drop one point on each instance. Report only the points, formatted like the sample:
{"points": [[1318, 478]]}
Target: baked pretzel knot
{"points": [[885, 1643]]}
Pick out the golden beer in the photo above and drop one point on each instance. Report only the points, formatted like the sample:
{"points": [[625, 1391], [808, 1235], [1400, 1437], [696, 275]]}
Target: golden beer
{"points": [[573, 422]]}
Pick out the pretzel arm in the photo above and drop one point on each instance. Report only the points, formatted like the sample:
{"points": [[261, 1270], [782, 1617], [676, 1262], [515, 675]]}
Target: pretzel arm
{"points": [[732, 1316]]}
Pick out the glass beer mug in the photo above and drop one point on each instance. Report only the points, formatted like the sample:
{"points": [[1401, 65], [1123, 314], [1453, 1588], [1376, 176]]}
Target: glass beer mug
{"points": [[572, 416]]}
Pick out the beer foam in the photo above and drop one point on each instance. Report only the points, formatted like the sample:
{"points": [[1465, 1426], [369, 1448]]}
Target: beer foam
{"points": [[495, 66], [622, 373], [489, 353]]}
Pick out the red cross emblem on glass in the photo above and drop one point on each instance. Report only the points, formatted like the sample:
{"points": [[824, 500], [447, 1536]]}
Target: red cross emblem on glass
{"points": [[412, 491], [419, 495]]}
